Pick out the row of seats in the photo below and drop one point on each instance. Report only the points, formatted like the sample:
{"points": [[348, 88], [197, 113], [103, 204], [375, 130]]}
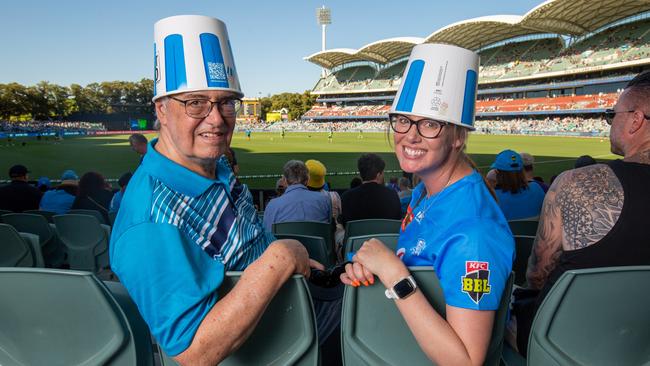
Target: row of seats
{"points": [[81, 240], [584, 320]]}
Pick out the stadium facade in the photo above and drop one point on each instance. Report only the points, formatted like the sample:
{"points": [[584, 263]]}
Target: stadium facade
{"points": [[564, 60]]}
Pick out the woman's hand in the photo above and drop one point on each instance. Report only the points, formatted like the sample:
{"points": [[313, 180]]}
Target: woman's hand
{"points": [[374, 258]]}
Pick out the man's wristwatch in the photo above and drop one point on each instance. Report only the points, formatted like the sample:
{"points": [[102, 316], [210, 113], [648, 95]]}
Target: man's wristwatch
{"points": [[402, 288]]}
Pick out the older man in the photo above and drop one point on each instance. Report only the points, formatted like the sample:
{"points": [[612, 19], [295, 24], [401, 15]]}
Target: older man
{"points": [[297, 203], [184, 220], [597, 215]]}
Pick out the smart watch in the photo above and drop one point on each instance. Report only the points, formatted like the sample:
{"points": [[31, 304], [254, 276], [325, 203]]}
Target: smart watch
{"points": [[402, 288]]}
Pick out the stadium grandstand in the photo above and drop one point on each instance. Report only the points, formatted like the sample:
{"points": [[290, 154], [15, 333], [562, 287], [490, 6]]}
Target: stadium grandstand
{"points": [[553, 70]]}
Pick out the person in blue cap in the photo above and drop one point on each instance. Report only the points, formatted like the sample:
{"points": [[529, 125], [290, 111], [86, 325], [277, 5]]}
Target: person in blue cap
{"points": [[517, 198], [453, 224]]}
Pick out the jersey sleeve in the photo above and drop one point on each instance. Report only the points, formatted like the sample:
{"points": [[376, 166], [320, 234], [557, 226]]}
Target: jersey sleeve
{"points": [[173, 282], [475, 264]]}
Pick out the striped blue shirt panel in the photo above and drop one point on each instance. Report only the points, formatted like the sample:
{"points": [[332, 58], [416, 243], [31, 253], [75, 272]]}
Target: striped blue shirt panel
{"points": [[222, 220]]}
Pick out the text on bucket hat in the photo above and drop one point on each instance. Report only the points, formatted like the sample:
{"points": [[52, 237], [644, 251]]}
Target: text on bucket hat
{"points": [[192, 53], [439, 82], [317, 173], [508, 161]]}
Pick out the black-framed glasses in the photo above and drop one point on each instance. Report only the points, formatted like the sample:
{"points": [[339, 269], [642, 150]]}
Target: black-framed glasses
{"points": [[201, 108], [610, 114], [427, 128]]}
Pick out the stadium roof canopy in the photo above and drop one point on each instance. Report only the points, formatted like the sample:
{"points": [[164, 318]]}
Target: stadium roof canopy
{"points": [[565, 17], [381, 52]]}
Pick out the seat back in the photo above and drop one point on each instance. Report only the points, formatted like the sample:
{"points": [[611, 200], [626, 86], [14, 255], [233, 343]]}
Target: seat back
{"points": [[382, 337], [85, 239], [523, 248], [316, 247], [310, 228], [54, 317], [47, 214], [14, 251], [590, 317], [31, 223], [141, 336], [523, 227], [2, 212], [286, 333], [371, 227], [94, 213], [354, 243]]}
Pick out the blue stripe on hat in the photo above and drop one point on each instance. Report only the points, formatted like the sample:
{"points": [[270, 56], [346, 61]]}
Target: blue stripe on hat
{"points": [[215, 70], [175, 76], [467, 118], [155, 69], [410, 86]]}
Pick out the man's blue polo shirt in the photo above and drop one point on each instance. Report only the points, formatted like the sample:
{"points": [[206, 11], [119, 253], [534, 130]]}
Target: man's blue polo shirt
{"points": [[298, 204], [175, 235]]}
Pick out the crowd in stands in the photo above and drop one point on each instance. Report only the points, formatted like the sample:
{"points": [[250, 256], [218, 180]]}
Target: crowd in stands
{"points": [[306, 126], [557, 125], [49, 126], [557, 103]]}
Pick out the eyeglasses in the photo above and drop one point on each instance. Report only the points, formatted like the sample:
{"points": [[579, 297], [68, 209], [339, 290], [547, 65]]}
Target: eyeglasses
{"points": [[427, 128], [201, 108], [610, 114]]}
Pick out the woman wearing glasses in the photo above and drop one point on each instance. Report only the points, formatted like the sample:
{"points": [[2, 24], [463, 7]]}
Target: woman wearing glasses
{"points": [[453, 222]]}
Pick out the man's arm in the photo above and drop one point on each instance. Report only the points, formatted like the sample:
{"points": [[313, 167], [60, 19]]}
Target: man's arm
{"points": [[233, 318], [548, 242]]}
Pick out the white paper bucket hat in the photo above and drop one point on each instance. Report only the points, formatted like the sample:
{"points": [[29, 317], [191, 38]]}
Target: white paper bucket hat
{"points": [[440, 83], [192, 53]]}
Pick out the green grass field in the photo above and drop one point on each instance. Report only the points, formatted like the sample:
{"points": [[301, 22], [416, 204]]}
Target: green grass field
{"points": [[266, 153]]}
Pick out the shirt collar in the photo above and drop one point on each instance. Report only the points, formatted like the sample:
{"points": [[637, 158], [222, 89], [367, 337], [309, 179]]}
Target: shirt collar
{"points": [[181, 179], [293, 187]]}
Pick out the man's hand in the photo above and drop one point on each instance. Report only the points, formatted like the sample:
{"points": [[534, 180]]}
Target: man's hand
{"points": [[292, 254]]}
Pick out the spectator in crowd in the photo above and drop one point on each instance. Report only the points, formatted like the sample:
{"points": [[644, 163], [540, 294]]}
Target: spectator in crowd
{"points": [[529, 161], [453, 224], [317, 172], [597, 215], [371, 200], [43, 184], [18, 195], [404, 193], [355, 182], [138, 143], [171, 266], [297, 203], [280, 186], [491, 178], [393, 184], [93, 194], [60, 199], [584, 160], [117, 197], [517, 198]]}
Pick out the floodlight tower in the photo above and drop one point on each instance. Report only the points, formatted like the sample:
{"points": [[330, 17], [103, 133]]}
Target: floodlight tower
{"points": [[324, 17]]}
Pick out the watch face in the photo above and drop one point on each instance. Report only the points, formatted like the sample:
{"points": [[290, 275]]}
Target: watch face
{"points": [[403, 288]]}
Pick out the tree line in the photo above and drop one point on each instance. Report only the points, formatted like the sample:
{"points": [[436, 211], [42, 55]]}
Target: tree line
{"points": [[47, 101]]}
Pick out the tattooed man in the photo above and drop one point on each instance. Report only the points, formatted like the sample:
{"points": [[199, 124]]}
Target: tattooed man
{"points": [[598, 215]]}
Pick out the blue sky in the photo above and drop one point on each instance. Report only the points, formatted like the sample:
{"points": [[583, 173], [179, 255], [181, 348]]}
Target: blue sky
{"points": [[74, 41]]}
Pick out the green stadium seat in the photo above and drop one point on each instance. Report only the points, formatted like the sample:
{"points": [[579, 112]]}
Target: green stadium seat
{"points": [[310, 228], [141, 335], [51, 248], [594, 317], [2, 212], [55, 317], [286, 333], [47, 214], [354, 243], [523, 227], [373, 331], [316, 247], [85, 239], [523, 248], [95, 213], [14, 250], [370, 227]]}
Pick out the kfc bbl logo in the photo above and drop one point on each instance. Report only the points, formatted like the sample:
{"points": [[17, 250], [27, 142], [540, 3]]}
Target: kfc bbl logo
{"points": [[476, 281]]}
